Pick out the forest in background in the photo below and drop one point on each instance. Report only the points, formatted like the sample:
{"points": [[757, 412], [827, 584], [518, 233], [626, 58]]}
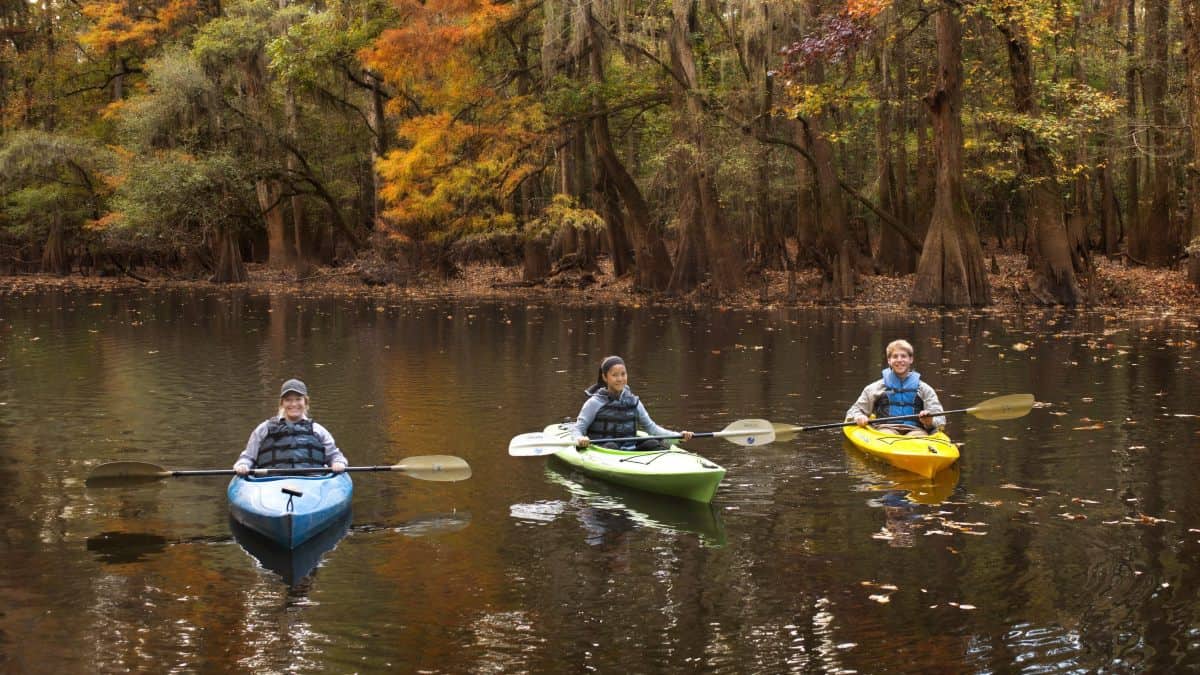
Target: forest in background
{"points": [[693, 145]]}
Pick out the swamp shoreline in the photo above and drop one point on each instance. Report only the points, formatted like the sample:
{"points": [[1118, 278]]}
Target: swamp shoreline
{"points": [[1114, 286]]}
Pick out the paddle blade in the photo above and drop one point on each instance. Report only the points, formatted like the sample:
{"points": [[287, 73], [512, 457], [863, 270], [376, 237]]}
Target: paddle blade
{"points": [[748, 432], [785, 432], [443, 468], [1003, 407], [537, 444], [115, 474]]}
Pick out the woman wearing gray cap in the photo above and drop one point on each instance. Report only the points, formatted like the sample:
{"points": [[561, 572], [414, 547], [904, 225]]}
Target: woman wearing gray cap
{"points": [[290, 439]]}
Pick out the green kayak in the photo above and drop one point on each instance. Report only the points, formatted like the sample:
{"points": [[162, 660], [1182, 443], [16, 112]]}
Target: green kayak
{"points": [[673, 472]]}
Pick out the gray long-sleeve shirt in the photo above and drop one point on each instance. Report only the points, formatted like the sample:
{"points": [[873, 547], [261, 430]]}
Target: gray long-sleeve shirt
{"points": [[865, 405], [596, 401], [249, 456]]}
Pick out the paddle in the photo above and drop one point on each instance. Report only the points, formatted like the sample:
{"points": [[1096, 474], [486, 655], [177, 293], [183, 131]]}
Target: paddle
{"points": [[424, 467], [1006, 407], [741, 432]]}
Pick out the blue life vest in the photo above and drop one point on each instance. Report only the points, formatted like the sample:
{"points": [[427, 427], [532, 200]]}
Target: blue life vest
{"points": [[900, 398], [290, 445], [616, 419]]}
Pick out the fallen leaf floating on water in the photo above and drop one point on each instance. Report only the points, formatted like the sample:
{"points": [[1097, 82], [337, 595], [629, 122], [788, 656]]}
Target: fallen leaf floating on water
{"points": [[1093, 427], [1010, 486], [1073, 516], [1144, 519], [881, 599]]}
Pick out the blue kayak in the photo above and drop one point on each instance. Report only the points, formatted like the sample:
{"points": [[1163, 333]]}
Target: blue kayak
{"points": [[289, 510]]}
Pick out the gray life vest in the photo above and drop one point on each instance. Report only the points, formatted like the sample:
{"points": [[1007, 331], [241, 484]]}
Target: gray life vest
{"points": [[616, 419]]}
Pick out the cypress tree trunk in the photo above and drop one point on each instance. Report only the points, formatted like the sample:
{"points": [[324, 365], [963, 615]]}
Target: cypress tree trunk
{"points": [[1191, 22], [707, 244], [54, 254], [653, 263], [951, 271], [1156, 237], [1132, 165], [230, 268], [1053, 280], [894, 255]]}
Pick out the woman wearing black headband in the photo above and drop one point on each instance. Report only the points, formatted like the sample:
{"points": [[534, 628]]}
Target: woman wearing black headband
{"points": [[613, 411]]}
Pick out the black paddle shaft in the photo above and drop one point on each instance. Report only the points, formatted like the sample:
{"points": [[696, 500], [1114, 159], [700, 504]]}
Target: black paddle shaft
{"points": [[838, 425], [298, 471]]}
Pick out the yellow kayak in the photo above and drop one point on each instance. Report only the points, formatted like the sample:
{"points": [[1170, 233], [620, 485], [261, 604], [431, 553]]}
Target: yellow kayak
{"points": [[922, 455]]}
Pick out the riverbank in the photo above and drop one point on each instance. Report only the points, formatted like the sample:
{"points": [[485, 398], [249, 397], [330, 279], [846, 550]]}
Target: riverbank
{"points": [[1115, 286]]}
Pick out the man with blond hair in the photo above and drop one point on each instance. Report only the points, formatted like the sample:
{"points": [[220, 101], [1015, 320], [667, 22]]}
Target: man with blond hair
{"points": [[899, 392]]}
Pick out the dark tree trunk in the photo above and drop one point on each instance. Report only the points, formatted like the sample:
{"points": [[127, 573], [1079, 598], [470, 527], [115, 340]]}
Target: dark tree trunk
{"points": [[1053, 280], [620, 252], [1110, 209], [300, 251], [1156, 237], [279, 245], [55, 258], [537, 260], [377, 122], [1191, 46], [894, 256], [806, 200], [653, 263], [926, 162], [951, 271], [230, 268], [1133, 164], [710, 244]]}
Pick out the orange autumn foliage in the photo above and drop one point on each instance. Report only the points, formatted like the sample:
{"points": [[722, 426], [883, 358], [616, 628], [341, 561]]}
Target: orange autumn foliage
{"points": [[467, 135], [119, 25]]}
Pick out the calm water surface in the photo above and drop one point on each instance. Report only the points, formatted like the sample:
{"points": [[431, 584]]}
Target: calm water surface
{"points": [[1065, 541]]}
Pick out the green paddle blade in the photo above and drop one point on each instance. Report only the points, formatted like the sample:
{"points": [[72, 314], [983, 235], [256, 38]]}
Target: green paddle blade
{"points": [[442, 468], [1003, 407]]}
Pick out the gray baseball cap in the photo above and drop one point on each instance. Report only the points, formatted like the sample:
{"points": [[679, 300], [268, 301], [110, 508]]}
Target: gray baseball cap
{"points": [[293, 385]]}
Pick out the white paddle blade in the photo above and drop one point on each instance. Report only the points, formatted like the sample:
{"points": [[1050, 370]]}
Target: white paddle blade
{"points": [[536, 444], [748, 432]]}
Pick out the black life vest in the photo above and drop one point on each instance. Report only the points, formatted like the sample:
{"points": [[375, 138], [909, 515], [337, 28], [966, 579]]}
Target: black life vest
{"points": [[290, 445], [616, 419]]}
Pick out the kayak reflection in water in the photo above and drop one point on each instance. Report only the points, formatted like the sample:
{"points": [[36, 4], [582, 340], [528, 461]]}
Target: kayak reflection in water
{"points": [[899, 392], [900, 518], [290, 439], [613, 411]]}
